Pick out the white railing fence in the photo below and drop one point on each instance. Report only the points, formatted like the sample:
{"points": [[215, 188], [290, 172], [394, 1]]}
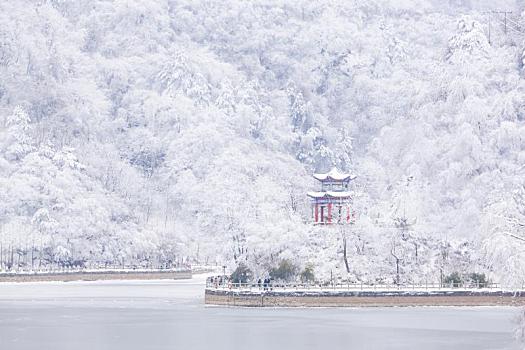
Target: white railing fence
{"points": [[92, 269], [277, 286]]}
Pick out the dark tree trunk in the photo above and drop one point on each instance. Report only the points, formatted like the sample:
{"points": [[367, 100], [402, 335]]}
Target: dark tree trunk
{"points": [[397, 271], [345, 258], [398, 260]]}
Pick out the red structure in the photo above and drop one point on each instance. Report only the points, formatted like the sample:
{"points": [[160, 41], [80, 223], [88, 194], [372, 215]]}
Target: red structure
{"points": [[331, 205]]}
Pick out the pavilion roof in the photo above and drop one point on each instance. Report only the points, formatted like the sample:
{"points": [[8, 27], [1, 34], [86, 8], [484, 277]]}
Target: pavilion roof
{"points": [[334, 175], [330, 194]]}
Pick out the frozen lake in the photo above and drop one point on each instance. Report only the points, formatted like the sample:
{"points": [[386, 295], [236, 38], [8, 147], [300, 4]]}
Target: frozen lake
{"points": [[171, 315]]}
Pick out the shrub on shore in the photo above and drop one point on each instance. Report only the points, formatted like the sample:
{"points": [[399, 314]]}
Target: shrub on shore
{"points": [[286, 271], [473, 279], [307, 275], [242, 274]]}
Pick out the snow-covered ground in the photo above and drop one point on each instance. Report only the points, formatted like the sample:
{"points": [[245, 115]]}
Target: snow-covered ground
{"points": [[93, 270], [171, 315], [134, 293]]}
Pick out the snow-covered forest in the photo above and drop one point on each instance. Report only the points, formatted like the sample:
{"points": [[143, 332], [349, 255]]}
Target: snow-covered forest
{"points": [[138, 132]]}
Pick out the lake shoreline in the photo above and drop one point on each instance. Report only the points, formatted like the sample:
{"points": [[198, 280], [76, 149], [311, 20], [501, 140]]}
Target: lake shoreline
{"points": [[362, 299], [95, 276]]}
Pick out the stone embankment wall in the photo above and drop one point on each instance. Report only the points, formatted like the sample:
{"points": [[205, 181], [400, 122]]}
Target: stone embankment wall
{"points": [[95, 276], [363, 299]]}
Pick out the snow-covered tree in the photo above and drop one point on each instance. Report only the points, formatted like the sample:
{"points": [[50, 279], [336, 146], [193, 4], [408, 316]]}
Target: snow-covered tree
{"points": [[469, 43], [157, 132], [18, 142]]}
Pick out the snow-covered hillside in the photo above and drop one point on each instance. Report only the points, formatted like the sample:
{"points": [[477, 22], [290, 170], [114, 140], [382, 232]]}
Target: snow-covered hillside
{"points": [[155, 132]]}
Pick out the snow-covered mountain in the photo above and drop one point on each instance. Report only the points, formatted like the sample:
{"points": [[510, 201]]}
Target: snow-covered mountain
{"points": [[156, 132]]}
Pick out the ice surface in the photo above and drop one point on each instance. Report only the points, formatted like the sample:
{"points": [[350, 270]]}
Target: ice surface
{"points": [[120, 315]]}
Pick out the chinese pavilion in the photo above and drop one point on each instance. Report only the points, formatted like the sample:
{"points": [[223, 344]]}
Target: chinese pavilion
{"points": [[331, 205]]}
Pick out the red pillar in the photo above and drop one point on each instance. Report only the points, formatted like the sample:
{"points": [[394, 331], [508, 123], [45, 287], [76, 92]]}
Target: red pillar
{"points": [[316, 213], [348, 214], [329, 213]]}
